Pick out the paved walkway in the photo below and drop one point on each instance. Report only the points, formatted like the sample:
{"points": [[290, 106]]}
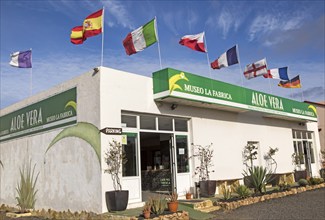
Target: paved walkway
{"points": [[306, 205]]}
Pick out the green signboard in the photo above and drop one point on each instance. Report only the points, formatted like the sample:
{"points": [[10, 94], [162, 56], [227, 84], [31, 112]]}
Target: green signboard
{"points": [[56, 111], [171, 83]]}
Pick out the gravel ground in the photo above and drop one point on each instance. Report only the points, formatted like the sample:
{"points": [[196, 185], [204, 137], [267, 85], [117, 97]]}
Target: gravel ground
{"points": [[307, 205]]}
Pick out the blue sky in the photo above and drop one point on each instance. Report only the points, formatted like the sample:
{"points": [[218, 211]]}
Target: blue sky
{"points": [[286, 33]]}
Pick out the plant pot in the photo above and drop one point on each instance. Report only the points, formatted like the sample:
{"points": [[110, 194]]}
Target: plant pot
{"points": [[172, 206], [322, 172], [117, 200], [188, 196], [208, 188], [300, 174], [146, 214]]}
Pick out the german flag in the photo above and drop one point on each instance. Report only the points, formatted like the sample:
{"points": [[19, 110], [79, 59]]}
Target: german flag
{"points": [[292, 83], [77, 35], [92, 25]]}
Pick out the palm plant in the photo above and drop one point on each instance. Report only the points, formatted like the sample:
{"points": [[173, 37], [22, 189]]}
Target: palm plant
{"points": [[26, 188], [242, 191], [259, 177]]}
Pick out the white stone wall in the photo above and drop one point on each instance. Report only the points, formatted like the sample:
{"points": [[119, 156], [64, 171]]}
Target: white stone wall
{"points": [[69, 173]]}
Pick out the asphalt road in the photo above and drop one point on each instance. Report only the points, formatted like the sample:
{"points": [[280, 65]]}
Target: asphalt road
{"points": [[307, 205]]}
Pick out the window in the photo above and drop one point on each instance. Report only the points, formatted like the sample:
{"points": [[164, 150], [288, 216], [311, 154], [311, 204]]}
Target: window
{"points": [[180, 125], [303, 145], [129, 121], [311, 148], [130, 168], [182, 154], [147, 122], [300, 152], [165, 124]]}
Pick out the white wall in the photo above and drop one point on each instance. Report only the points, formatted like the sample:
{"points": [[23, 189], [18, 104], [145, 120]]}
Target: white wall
{"points": [[228, 131], [70, 173]]}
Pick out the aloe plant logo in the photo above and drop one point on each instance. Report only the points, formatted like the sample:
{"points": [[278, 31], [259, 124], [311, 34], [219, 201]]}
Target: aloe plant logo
{"points": [[174, 79], [83, 130], [313, 109]]}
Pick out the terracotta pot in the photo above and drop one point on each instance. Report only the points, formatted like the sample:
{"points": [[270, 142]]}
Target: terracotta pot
{"points": [[146, 214], [188, 195], [172, 206]]}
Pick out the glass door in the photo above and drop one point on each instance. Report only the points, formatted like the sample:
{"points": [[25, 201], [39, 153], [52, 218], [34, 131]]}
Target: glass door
{"points": [[130, 169], [307, 157]]}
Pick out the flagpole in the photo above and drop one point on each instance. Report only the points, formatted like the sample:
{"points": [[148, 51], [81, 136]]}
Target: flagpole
{"points": [[206, 46], [31, 73], [156, 28], [291, 95], [302, 92], [102, 53], [241, 70]]}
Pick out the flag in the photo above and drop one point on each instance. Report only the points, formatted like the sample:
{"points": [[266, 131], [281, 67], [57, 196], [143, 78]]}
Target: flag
{"points": [[92, 25], [226, 59], [77, 35], [292, 83], [141, 38], [279, 73], [195, 42], [256, 69], [21, 59]]}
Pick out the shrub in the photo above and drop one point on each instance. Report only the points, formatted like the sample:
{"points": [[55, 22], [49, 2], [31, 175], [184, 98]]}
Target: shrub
{"points": [[315, 180], [259, 177], [226, 192], [284, 186], [26, 188], [172, 197], [158, 205], [242, 191], [303, 182]]}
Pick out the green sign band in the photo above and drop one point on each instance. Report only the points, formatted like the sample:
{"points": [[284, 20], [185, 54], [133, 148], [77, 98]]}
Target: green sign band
{"points": [[171, 83], [54, 112]]}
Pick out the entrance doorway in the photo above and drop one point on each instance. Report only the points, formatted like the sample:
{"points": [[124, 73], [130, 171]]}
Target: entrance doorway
{"points": [[157, 163]]}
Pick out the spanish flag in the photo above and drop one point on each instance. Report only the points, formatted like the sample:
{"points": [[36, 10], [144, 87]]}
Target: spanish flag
{"points": [[92, 25], [77, 35], [292, 83]]}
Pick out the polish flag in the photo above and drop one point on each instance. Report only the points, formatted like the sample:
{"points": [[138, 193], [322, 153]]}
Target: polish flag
{"points": [[195, 42]]}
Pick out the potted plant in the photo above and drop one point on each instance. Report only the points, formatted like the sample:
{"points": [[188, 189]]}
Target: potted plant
{"points": [[172, 202], [188, 194], [146, 210], [297, 160], [207, 186], [117, 199], [249, 154]]}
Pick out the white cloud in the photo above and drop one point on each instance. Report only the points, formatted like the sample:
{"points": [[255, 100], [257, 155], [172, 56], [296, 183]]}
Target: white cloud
{"points": [[192, 19], [268, 24], [170, 19], [228, 19], [119, 11]]}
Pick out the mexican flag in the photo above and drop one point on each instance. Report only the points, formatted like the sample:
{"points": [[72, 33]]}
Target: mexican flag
{"points": [[141, 38]]}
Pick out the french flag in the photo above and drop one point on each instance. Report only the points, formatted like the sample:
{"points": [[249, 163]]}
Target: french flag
{"points": [[226, 59], [279, 73]]}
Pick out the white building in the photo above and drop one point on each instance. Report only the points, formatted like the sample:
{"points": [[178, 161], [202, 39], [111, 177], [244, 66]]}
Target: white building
{"points": [[58, 130]]}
